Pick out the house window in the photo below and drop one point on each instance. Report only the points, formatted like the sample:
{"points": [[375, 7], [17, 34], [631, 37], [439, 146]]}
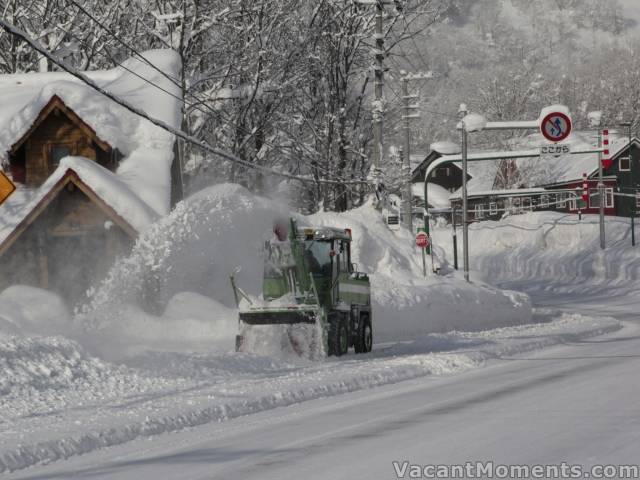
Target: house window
{"points": [[526, 204], [58, 152], [573, 206], [544, 201], [493, 208], [594, 198], [516, 204], [608, 195], [561, 198], [479, 211], [624, 164]]}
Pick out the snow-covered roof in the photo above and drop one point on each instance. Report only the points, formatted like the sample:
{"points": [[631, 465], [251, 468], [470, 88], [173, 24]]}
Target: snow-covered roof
{"points": [[147, 149], [111, 189], [568, 167], [539, 171], [507, 192], [438, 196]]}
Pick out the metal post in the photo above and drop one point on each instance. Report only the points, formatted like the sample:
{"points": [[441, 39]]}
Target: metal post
{"points": [[601, 191], [465, 220], [408, 195], [426, 210], [455, 239], [633, 214]]}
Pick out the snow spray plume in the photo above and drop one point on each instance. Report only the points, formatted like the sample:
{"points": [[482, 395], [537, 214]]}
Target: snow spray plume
{"points": [[194, 249]]}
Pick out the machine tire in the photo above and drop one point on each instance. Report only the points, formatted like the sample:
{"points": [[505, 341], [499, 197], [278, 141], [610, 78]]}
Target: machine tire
{"points": [[344, 337], [365, 335], [338, 336], [358, 341]]}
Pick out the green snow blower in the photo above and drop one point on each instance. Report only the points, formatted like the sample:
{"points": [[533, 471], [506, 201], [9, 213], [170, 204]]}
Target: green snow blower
{"points": [[313, 299]]}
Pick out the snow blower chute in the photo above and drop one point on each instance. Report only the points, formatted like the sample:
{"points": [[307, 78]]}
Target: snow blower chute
{"points": [[313, 299]]}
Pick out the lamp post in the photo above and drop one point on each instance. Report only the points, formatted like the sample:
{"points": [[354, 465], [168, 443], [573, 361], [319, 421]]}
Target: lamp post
{"points": [[632, 210]]}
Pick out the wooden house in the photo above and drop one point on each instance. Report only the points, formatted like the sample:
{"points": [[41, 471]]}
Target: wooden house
{"points": [[621, 180], [90, 175], [68, 237], [448, 176]]}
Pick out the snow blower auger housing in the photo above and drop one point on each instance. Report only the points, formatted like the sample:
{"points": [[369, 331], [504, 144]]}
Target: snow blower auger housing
{"points": [[312, 294]]}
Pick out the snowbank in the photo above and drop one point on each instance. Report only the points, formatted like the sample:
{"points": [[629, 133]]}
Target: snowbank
{"points": [[190, 323], [27, 310], [405, 303], [552, 248]]}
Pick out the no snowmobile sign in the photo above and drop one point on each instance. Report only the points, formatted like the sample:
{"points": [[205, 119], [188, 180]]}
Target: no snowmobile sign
{"points": [[555, 126], [6, 187]]}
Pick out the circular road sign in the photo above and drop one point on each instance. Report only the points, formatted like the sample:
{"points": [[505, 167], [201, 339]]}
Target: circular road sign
{"points": [[555, 126], [422, 240]]}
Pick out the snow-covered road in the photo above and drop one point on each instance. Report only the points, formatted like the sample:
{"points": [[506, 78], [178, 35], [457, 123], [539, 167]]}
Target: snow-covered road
{"points": [[575, 403]]}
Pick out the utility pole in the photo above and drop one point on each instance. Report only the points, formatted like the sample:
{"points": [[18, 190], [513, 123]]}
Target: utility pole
{"points": [[409, 109], [378, 107], [407, 203], [465, 206], [601, 191]]}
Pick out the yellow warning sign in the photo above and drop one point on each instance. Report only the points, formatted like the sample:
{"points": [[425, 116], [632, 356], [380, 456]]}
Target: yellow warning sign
{"points": [[6, 187]]}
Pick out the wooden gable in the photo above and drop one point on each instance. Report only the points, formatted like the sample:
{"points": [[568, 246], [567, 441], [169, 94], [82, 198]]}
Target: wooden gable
{"points": [[57, 132], [54, 104], [67, 242], [74, 219]]}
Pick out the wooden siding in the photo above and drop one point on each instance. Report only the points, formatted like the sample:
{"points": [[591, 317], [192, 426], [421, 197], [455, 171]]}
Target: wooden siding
{"points": [[31, 157], [56, 130], [627, 181], [67, 248]]}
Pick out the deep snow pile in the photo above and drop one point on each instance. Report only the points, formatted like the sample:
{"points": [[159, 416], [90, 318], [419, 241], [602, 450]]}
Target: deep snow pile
{"points": [[549, 248], [205, 238], [406, 304], [32, 311]]}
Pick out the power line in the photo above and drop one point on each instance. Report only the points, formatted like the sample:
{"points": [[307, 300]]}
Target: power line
{"points": [[159, 123]]}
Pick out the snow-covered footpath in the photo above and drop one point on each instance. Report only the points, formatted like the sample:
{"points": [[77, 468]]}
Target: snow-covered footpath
{"points": [[112, 371]]}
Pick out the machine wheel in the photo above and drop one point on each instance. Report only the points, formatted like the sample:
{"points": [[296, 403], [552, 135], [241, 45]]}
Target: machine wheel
{"points": [[364, 337], [338, 336], [344, 337]]}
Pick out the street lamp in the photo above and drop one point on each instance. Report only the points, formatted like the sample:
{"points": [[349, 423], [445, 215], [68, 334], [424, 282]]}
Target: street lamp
{"points": [[628, 125]]}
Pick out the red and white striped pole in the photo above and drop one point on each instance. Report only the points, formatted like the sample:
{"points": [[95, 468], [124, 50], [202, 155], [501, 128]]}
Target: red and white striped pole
{"points": [[585, 188], [606, 154]]}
